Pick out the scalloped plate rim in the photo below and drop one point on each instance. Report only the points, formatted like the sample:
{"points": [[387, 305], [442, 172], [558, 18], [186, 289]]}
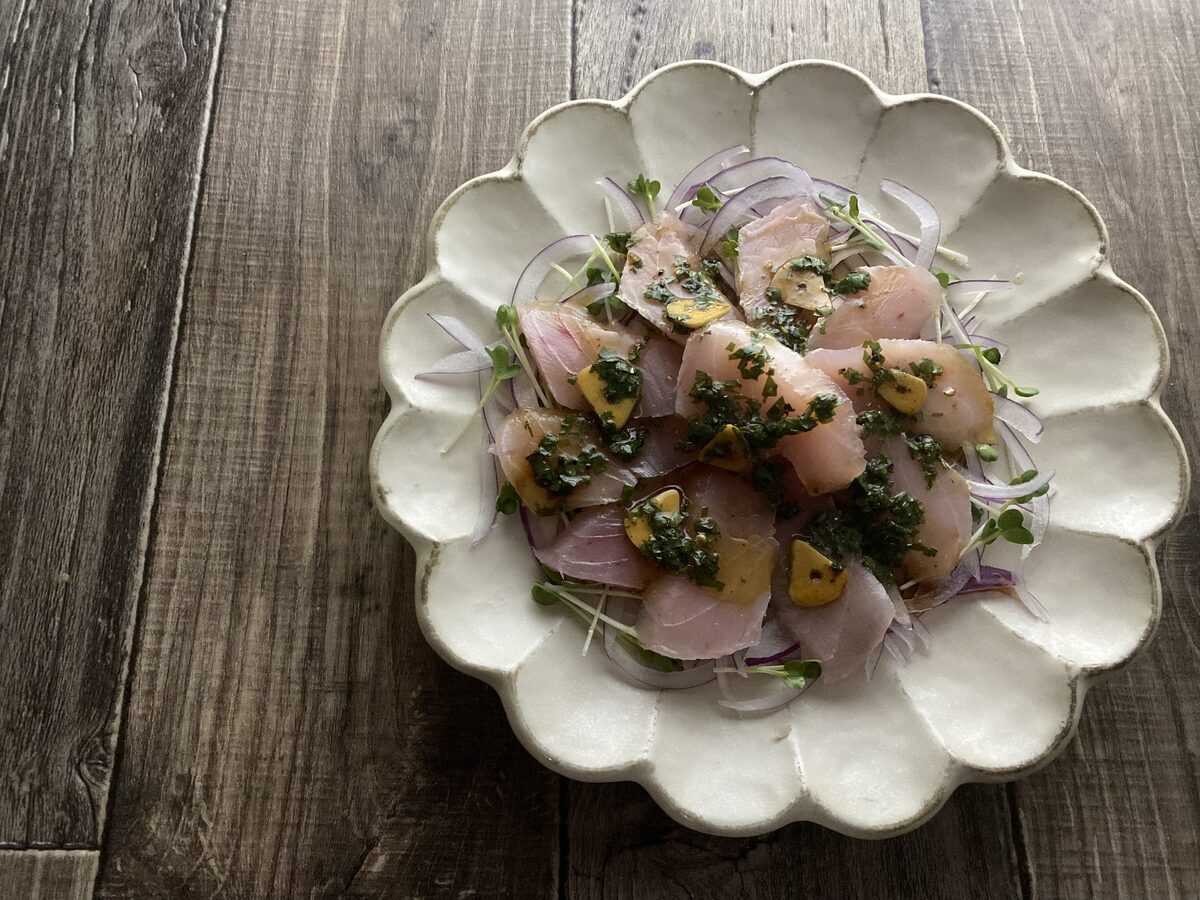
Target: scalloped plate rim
{"points": [[641, 771]]}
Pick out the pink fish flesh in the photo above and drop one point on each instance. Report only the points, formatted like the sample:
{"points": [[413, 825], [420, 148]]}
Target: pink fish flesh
{"points": [[595, 547], [827, 458], [898, 303], [845, 633]]}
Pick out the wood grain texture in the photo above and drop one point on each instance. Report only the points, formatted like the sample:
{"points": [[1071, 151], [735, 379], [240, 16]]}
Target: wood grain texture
{"points": [[103, 111], [1104, 99], [289, 733], [621, 845], [618, 42], [47, 874]]}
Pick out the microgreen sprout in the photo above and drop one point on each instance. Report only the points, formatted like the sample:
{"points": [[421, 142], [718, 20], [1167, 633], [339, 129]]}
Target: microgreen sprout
{"points": [[509, 325], [1008, 522], [706, 199], [548, 594], [796, 673], [849, 215], [504, 367], [997, 381], [646, 189]]}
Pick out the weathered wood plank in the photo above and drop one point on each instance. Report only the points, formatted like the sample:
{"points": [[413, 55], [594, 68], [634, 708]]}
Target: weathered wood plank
{"points": [[290, 733], [621, 845], [103, 112], [48, 874], [618, 43], [1102, 97]]}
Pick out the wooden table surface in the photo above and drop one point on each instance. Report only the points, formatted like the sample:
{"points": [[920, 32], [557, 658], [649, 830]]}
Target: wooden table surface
{"points": [[211, 679]]}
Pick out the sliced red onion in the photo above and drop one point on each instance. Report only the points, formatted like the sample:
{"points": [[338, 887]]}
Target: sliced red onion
{"points": [[625, 204], [540, 266], [1031, 603], [974, 465], [989, 491], [458, 363], [842, 255], [780, 656], [1039, 520], [760, 169], [459, 330], [741, 206], [900, 651], [973, 562], [990, 578], [540, 531], [901, 616], [523, 392], [489, 483], [694, 676], [591, 294], [951, 587], [958, 332], [841, 194], [977, 286], [901, 244], [727, 275], [931, 225], [1019, 417], [780, 696], [703, 172], [924, 638], [1016, 450]]}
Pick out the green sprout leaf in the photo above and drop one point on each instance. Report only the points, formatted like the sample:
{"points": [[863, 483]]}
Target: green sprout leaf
{"points": [[706, 199], [646, 189]]}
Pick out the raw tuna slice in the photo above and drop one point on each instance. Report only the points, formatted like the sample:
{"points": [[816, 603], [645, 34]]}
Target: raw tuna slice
{"points": [[947, 505], [827, 458], [659, 361], [843, 634], [792, 229], [563, 340], [594, 547], [652, 254], [898, 304], [661, 454], [958, 409], [685, 621], [520, 434]]}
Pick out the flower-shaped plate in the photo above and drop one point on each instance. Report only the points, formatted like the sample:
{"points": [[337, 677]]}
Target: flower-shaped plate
{"points": [[998, 693]]}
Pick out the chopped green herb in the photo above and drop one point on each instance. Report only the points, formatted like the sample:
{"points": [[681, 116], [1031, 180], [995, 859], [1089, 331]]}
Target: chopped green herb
{"points": [[928, 452], [658, 291], [619, 241], [926, 369], [878, 525], [786, 324], [675, 548], [876, 421], [753, 360], [854, 283], [559, 472], [987, 452], [810, 264], [626, 443], [507, 500], [725, 404], [943, 278], [622, 379]]}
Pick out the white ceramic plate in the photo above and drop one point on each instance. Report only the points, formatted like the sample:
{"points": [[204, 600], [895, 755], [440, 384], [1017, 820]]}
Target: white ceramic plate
{"points": [[999, 693]]}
